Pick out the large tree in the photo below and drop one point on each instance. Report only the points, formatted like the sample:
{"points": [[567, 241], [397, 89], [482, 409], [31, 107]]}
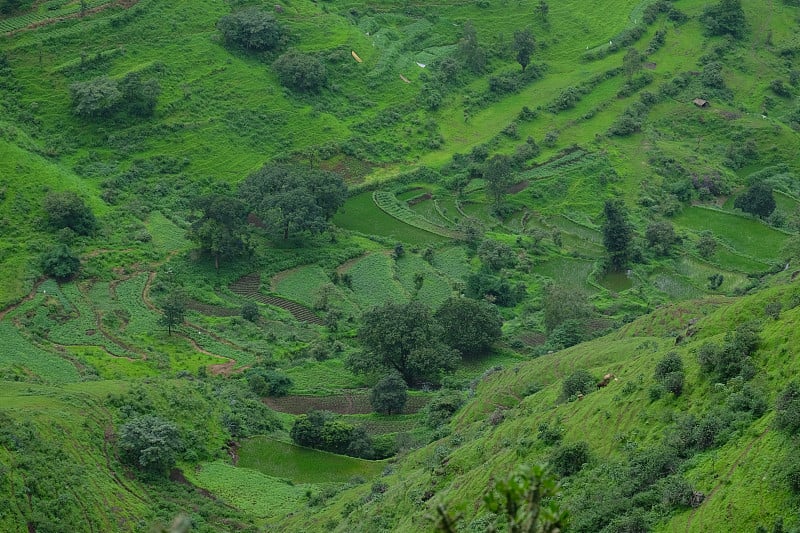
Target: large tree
{"points": [[757, 200], [497, 172], [68, 210], [150, 443], [524, 45], [471, 52], [617, 234], [725, 18], [301, 72], [220, 230], [293, 198], [404, 338], [470, 326], [253, 28]]}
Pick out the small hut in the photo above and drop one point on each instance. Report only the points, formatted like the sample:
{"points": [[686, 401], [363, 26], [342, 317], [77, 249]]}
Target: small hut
{"points": [[699, 102]]}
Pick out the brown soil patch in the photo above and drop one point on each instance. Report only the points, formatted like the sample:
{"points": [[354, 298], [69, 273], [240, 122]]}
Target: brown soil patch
{"points": [[419, 199], [349, 403], [650, 65], [222, 369], [533, 338], [521, 186]]}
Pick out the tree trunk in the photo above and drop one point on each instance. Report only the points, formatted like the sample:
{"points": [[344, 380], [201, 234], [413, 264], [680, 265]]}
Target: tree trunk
{"points": [[216, 263]]}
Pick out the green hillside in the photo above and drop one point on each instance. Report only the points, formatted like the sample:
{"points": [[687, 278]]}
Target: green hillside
{"points": [[345, 265]]}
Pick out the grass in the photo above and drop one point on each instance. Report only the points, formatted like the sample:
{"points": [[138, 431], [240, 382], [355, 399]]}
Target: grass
{"points": [[249, 490], [24, 359], [303, 465], [374, 283], [573, 273], [361, 214], [749, 237]]}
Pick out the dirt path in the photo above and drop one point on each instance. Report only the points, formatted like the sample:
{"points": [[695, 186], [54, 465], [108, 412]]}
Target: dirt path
{"points": [[125, 4]]}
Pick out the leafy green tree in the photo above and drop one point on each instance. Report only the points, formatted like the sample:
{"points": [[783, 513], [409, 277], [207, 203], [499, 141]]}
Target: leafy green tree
{"points": [[471, 52], [632, 62], [301, 72], [221, 228], [60, 262], [95, 98], [787, 409], [442, 407], [725, 18], [173, 311], [68, 210], [579, 382], [496, 255], [617, 234], [470, 326], [497, 289], [498, 174], [11, 6], [251, 312], [404, 338], [321, 430], [139, 96], [254, 29], [524, 45], [293, 198], [389, 395], [568, 459], [527, 498], [150, 443], [757, 200], [669, 372], [660, 236]]}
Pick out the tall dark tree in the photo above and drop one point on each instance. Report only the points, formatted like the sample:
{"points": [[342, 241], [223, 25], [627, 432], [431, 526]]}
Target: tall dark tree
{"points": [[291, 198], [60, 262], [473, 55], [757, 200], [221, 228], [68, 210], [660, 236], [389, 395], [497, 172], [404, 338], [173, 311], [617, 234], [301, 72], [470, 326], [524, 44]]}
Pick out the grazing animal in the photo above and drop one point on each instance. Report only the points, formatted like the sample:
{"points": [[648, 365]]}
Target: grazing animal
{"points": [[605, 381]]}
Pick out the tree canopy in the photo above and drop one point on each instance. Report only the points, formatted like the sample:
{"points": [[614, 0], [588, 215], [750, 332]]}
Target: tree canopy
{"points": [[60, 262], [221, 228], [254, 29], [404, 338], [292, 198], [757, 200], [389, 395], [617, 234], [524, 44], [300, 72], [150, 443], [68, 210], [471, 52], [470, 326], [725, 18]]}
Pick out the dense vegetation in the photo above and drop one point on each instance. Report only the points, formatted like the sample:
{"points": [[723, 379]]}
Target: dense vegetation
{"points": [[368, 267]]}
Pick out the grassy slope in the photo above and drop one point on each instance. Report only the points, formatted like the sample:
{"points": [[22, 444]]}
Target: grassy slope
{"points": [[741, 479]]}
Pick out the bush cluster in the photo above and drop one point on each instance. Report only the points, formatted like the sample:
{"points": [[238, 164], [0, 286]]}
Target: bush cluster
{"points": [[323, 431]]}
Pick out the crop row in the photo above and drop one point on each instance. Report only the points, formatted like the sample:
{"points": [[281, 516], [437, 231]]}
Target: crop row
{"points": [[389, 204]]}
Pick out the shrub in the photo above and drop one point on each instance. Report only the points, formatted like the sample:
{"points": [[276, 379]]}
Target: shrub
{"points": [[253, 29], [95, 98], [757, 200], [301, 72], [150, 443], [321, 430], [550, 434], [568, 459], [579, 382], [265, 382], [441, 407], [251, 312], [68, 210], [60, 262], [787, 409], [389, 395], [470, 326]]}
